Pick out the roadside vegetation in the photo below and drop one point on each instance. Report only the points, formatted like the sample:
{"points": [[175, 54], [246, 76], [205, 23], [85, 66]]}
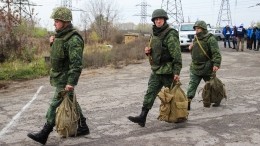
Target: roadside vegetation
{"points": [[18, 70], [24, 46], [34, 63], [96, 56]]}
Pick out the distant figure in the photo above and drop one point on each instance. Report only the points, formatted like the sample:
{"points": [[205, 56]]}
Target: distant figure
{"points": [[234, 37], [241, 32], [249, 38], [227, 33], [258, 38], [253, 38], [165, 59]]}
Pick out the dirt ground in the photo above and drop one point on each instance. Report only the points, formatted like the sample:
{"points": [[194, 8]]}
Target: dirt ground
{"points": [[107, 96]]}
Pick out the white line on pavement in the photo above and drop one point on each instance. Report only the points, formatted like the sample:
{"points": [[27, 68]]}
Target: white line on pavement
{"points": [[3, 131]]}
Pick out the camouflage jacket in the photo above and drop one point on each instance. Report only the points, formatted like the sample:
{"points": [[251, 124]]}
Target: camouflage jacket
{"points": [[166, 53], [201, 64], [66, 58]]}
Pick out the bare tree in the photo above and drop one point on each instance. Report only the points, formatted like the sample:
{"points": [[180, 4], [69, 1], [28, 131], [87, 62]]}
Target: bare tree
{"points": [[100, 16], [13, 37]]}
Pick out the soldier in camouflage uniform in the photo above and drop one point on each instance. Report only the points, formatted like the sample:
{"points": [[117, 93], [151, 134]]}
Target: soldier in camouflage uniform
{"points": [[203, 63], [166, 62], [66, 65]]}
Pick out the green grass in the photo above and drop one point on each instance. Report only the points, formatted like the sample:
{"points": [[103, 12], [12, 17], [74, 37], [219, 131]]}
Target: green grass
{"points": [[18, 70]]}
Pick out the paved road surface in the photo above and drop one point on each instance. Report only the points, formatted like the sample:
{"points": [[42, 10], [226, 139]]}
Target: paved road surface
{"points": [[107, 96]]}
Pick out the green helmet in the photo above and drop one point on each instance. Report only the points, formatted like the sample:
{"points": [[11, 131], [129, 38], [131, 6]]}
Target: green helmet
{"points": [[62, 13], [201, 24], [159, 13]]}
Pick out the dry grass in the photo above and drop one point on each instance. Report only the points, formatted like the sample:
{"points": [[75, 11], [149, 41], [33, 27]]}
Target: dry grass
{"points": [[99, 56]]}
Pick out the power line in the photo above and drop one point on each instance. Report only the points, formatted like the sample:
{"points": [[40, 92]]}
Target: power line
{"points": [[258, 4]]}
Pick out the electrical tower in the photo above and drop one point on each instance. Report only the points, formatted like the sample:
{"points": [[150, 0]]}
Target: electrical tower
{"points": [[24, 6], [143, 13], [224, 16], [66, 3], [174, 10]]}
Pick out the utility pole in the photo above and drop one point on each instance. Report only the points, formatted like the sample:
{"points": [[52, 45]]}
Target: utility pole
{"points": [[174, 10], [224, 16], [143, 13]]}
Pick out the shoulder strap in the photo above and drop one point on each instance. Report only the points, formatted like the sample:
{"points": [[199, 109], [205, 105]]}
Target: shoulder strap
{"points": [[162, 35], [70, 34], [202, 48], [165, 32]]}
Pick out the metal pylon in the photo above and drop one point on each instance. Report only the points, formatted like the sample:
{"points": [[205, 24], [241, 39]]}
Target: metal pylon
{"points": [[224, 16], [143, 13], [174, 10]]}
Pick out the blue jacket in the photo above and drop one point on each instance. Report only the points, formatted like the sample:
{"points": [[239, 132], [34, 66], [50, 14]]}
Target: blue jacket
{"points": [[249, 32], [227, 31], [258, 34]]}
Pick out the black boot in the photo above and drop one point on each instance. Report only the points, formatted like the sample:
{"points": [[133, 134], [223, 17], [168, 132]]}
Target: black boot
{"points": [[189, 102], [141, 119], [82, 127], [42, 135], [216, 104]]}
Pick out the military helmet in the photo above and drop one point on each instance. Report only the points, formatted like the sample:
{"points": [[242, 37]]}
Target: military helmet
{"points": [[201, 24], [159, 13], [62, 13]]}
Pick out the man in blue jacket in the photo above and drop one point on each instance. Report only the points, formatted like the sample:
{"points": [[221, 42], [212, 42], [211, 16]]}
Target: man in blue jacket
{"points": [[258, 38], [253, 38], [227, 32], [249, 38]]}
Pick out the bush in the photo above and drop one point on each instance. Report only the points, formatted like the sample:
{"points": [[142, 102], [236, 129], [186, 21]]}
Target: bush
{"points": [[98, 56], [118, 38], [39, 32]]}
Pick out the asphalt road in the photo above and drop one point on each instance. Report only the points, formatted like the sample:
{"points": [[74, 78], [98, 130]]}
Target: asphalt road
{"points": [[107, 96]]}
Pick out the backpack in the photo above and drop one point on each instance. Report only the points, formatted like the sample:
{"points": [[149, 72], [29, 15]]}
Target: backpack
{"points": [[213, 91], [174, 104], [67, 116]]}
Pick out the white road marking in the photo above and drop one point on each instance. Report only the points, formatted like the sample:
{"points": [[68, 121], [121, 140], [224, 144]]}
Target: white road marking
{"points": [[5, 129]]}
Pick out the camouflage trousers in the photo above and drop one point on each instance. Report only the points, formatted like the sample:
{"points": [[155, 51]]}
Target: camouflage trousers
{"points": [[155, 84], [194, 83], [55, 102]]}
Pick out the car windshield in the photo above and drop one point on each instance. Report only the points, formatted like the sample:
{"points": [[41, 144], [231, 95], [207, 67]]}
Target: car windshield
{"points": [[187, 27]]}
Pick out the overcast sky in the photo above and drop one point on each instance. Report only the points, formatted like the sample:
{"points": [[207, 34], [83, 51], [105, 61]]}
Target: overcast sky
{"points": [[207, 10]]}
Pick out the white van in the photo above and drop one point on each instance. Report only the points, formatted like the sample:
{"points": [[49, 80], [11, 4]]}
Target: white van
{"points": [[217, 33], [186, 34]]}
